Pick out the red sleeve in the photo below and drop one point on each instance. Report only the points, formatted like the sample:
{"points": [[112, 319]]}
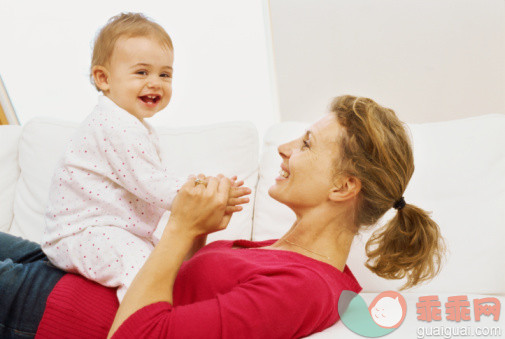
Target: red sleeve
{"points": [[292, 304]]}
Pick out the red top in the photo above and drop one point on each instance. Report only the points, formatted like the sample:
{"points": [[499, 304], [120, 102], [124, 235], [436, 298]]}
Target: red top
{"points": [[222, 292]]}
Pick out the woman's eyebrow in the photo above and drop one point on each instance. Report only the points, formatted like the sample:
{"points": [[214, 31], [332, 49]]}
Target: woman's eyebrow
{"points": [[308, 134]]}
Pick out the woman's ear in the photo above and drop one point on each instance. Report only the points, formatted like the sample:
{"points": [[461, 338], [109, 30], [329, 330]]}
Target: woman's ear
{"points": [[101, 78], [347, 188]]}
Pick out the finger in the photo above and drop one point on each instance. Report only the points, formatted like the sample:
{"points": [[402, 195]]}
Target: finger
{"points": [[237, 192], [189, 183], [223, 189], [200, 180], [237, 201], [212, 184], [225, 221], [238, 183], [233, 209]]}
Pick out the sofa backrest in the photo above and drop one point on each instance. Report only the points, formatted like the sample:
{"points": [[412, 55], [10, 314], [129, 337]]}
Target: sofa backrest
{"points": [[228, 148], [459, 177], [9, 173]]}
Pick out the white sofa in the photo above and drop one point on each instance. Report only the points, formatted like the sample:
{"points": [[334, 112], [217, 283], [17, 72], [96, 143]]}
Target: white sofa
{"points": [[460, 177]]}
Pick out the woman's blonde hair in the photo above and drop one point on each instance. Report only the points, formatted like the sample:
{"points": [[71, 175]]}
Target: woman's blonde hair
{"points": [[377, 150], [127, 25]]}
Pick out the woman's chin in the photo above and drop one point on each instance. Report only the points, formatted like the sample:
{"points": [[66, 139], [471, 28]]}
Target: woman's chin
{"points": [[273, 192], [276, 193]]}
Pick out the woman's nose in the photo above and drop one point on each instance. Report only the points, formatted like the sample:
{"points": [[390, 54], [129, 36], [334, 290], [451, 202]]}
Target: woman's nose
{"points": [[285, 150]]}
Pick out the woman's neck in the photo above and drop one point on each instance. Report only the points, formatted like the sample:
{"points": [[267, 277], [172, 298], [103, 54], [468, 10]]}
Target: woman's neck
{"points": [[324, 239]]}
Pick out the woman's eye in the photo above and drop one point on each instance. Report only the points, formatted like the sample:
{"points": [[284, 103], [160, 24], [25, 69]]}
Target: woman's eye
{"points": [[305, 144]]}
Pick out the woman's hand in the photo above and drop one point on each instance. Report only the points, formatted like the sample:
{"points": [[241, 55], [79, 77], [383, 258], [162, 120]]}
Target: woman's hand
{"points": [[200, 206], [235, 198]]}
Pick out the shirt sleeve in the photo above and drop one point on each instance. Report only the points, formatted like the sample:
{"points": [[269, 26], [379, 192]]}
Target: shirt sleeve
{"points": [[136, 166], [283, 306]]}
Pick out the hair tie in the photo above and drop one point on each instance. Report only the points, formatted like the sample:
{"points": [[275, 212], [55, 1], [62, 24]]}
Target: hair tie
{"points": [[399, 204]]}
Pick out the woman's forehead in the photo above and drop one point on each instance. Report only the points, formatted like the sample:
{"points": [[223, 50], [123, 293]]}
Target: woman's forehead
{"points": [[326, 129]]}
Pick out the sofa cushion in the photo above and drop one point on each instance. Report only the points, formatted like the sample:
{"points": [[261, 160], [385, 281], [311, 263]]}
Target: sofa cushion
{"points": [[9, 172], [228, 148], [459, 177]]}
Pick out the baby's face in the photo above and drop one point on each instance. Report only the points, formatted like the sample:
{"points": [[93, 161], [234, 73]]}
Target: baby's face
{"points": [[140, 76]]}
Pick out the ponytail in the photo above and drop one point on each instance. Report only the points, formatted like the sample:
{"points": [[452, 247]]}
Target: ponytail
{"points": [[377, 150], [409, 245]]}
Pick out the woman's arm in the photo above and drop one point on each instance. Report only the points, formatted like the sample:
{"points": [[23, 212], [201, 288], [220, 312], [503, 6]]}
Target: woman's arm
{"points": [[198, 243], [196, 210], [155, 280]]}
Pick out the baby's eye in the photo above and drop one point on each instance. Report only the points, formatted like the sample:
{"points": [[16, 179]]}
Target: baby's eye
{"points": [[141, 72], [165, 75]]}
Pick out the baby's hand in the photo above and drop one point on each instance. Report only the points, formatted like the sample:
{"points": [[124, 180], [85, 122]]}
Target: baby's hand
{"points": [[235, 198]]}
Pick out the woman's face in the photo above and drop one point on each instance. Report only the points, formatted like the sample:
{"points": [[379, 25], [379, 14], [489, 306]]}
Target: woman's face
{"points": [[307, 168]]}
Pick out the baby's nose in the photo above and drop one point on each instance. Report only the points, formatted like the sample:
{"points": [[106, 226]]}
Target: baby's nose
{"points": [[153, 83]]}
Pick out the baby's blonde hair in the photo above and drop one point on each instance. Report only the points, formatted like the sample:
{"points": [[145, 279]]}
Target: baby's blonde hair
{"points": [[124, 25]]}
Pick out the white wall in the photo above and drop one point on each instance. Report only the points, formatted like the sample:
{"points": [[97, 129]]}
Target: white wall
{"points": [[429, 60], [221, 58]]}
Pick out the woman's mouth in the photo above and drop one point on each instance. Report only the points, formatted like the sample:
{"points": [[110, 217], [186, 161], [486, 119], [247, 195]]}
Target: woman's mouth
{"points": [[283, 175]]}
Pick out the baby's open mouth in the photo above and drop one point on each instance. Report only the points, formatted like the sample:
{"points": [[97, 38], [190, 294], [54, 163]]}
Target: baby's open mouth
{"points": [[150, 99]]}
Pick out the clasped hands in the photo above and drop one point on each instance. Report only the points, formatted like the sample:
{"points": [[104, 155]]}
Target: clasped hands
{"points": [[206, 204]]}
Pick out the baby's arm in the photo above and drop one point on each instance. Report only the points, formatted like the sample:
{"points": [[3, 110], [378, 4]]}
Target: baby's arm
{"points": [[136, 166]]}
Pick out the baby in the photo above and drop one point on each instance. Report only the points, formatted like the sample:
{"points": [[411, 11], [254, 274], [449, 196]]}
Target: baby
{"points": [[110, 189]]}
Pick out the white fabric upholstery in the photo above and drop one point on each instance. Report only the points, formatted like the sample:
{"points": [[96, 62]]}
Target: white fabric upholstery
{"points": [[9, 173], [459, 176], [42, 142], [230, 148]]}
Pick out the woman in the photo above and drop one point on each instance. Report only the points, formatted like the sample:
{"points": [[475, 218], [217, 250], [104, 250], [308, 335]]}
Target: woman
{"points": [[344, 173]]}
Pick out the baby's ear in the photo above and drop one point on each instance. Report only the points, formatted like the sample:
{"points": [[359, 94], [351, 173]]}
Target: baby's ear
{"points": [[101, 78]]}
